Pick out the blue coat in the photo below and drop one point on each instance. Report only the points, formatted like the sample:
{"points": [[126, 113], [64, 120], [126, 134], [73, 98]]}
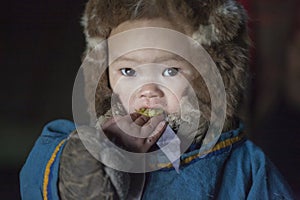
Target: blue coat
{"points": [[234, 169]]}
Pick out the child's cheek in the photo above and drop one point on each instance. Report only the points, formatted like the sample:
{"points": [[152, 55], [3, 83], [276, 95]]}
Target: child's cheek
{"points": [[123, 90], [173, 105]]}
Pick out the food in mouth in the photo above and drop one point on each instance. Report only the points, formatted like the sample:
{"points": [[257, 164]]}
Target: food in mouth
{"points": [[150, 112], [173, 119]]}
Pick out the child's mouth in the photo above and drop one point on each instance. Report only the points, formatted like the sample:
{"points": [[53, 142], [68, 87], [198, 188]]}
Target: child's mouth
{"points": [[150, 112]]}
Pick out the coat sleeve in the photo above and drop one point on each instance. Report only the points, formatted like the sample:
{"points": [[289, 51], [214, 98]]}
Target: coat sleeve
{"points": [[81, 176], [267, 182], [39, 175]]}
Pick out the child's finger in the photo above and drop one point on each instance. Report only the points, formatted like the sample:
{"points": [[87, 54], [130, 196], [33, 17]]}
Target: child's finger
{"points": [[148, 128], [141, 120], [134, 115], [152, 139]]}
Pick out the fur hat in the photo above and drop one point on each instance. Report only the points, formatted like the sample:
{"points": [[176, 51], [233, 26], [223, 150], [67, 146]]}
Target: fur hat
{"points": [[220, 26]]}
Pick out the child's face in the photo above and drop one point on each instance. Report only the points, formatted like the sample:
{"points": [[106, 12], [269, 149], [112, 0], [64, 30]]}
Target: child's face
{"points": [[150, 78]]}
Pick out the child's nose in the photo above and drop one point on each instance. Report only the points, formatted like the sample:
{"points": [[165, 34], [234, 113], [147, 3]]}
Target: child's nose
{"points": [[150, 91]]}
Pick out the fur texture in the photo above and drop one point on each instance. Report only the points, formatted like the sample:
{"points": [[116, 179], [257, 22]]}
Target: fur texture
{"points": [[219, 25]]}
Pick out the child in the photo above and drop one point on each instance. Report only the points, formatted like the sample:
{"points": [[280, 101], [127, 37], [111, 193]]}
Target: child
{"points": [[61, 166]]}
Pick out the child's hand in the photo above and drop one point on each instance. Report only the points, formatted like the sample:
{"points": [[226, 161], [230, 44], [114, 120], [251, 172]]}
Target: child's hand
{"points": [[144, 131]]}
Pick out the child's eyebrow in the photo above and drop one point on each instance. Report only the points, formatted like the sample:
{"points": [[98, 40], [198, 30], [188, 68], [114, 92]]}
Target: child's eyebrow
{"points": [[161, 59], [168, 58]]}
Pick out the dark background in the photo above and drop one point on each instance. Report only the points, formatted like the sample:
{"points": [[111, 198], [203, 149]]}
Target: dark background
{"points": [[41, 43]]}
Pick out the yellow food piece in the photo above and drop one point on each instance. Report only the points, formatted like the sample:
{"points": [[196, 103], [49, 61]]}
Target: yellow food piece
{"points": [[150, 112]]}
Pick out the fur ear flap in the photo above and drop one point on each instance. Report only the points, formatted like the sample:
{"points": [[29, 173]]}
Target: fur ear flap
{"points": [[224, 20], [94, 31]]}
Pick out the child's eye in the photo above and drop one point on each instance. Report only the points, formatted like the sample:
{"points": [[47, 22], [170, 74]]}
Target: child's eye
{"points": [[128, 72], [170, 71]]}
